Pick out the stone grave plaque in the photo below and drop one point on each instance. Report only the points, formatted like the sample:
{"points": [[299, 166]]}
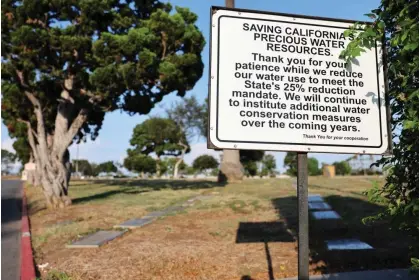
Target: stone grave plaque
{"points": [[96, 239], [325, 215], [157, 214], [135, 223], [347, 244], [315, 198], [318, 206]]}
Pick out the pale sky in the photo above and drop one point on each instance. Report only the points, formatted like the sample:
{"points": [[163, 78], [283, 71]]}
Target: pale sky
{"points": [[113, 140]]}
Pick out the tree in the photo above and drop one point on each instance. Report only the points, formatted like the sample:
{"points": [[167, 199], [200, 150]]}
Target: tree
{"points": [[250, 168], [160, 136], [313, 167], [249, 159], [106, 167], [84, 167], [7, 160], [66, 63], [189, 115], [268, 165], [204, 163], [397, 22], [170, 164], [290, 161], [140, 163], [342, 168]]}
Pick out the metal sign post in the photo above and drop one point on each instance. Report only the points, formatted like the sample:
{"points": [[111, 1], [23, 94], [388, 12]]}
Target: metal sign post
{"points": [[302, 194]]}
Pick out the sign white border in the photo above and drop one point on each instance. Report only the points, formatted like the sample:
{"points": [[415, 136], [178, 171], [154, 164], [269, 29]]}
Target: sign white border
{"points": [[214, 142]]}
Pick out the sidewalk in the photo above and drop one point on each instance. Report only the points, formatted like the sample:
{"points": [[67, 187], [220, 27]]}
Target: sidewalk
{"points": [[390, 274]]}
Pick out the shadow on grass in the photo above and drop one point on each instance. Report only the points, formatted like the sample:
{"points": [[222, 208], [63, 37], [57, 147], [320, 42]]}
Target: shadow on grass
{"points": [[142, 186], [157, 184], [390, 247], [263, 232], [104, 195]]}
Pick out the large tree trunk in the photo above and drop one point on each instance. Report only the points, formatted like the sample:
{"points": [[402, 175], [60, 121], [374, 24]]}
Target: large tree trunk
{"points": [[180, 160], [50, 150], [231, 169]]}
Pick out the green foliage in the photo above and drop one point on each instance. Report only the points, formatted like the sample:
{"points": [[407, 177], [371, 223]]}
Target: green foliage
{"points": [[57, 275], [415, 265], [290, 161], [313, 167], [123, 55], [140, 163], [159, 136], [170, 163], [106, 167], [190, 116], [398, 22], [342, 168], [7, 160], [84, 167], [23, 150], [204, 163], [249, 159], [268, 165]]}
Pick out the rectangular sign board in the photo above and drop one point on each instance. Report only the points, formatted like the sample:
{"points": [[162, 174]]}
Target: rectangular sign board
{"points": [[277, 83]]}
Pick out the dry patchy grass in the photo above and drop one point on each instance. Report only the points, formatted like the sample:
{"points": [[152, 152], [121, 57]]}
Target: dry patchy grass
{"points": [[245, 229]]}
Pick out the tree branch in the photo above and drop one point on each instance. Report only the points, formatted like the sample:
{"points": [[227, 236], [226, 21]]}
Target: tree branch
{"points": [[31, 139], [164, 43], [29, 127], [93, 98], [75, 127]]}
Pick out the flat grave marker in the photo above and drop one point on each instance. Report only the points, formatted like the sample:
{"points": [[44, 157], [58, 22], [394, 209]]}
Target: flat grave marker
{"points": [[319, 206], [325, 215], [347, 244], [96, 239], [135, 223]]}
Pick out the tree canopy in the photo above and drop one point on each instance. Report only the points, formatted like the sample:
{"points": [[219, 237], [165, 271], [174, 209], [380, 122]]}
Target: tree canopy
{"points": [[342, 167], [204, 163], [249, 159], [290, 162], [106, 167], [190, 116], [84, 167], [161, 136], [7, 160], [157, 135], [268, 165], [313, 167], [140, 163]]}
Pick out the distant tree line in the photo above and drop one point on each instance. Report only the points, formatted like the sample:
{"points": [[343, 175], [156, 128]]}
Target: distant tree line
{"points": [[341, 167], [86, 168]]}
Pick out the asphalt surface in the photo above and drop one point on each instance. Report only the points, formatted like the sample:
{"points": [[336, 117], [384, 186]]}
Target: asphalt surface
{"points": [[11, 205]]}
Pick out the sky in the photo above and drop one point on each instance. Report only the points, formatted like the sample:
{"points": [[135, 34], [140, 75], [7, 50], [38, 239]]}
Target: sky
{"points": [[113, 140]]}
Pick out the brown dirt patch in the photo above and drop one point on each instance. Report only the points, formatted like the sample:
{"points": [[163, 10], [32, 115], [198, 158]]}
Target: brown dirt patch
{"points": [[196, 245]]}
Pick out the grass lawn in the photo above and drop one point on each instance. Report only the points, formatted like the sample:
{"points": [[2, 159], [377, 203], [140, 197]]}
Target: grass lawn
{"points": [[243, 231]]}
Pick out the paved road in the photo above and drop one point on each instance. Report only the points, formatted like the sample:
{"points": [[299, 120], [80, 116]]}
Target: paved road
{"points": [[11, 204]]}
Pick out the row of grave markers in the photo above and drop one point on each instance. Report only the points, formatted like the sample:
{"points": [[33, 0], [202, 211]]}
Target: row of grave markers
{"points": [[101, 237], [320, 210]]}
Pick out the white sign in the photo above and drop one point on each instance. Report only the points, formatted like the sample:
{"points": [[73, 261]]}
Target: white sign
{"points": [[277, 83]]}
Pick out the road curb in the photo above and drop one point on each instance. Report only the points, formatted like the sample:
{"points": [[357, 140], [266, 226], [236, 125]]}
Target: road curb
{"points": [[27, 268]]}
